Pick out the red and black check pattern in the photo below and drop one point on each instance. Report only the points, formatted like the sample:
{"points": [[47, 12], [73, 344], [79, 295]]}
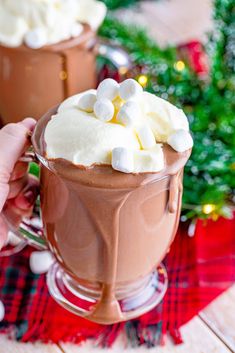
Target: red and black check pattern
{"points": [[199, 269]]}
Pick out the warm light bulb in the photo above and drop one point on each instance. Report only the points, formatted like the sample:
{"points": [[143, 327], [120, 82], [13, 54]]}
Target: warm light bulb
{"points": [[179, 65], [143, 79], [63, 75], [207, 209]]}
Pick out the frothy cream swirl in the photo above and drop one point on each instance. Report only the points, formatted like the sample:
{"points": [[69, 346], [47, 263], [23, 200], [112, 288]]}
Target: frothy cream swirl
{"points": [[44, 22], [91, 129]]}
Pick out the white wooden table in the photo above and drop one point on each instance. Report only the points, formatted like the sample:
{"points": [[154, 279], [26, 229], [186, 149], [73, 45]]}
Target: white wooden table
{"points": [[212, 331]]}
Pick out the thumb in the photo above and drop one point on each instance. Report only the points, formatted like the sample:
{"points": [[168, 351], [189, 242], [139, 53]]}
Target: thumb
{"points": [[3, 232], [13, 141]]}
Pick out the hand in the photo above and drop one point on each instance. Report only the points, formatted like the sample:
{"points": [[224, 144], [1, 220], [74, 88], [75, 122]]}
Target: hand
{"points": [[18, 190]]}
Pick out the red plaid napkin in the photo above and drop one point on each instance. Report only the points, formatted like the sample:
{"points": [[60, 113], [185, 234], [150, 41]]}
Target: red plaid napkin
{"points": [[199, 269]]}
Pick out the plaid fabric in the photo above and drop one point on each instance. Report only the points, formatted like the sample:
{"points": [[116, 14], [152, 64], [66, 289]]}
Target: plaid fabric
{"points": [[199, 269]]}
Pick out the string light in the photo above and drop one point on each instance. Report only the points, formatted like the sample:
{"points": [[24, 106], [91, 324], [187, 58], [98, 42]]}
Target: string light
{"points": [[63, 75], [179, 65], [143, 80], [208, 208], [232, 166]]}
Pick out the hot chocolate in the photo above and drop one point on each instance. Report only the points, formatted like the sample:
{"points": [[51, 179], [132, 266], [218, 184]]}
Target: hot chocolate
{"points": [[110, 228], [39, 79], [46, 53]]}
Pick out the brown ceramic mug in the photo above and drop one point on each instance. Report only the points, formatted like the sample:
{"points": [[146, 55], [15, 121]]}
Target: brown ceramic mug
{"points": [[32, 81]]}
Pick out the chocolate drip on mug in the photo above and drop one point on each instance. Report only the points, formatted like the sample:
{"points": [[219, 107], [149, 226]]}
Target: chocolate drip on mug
{"points": [[107, 305], [174, 190]]}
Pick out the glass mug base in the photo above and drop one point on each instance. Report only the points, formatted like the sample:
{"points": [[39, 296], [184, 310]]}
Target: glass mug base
{"points": [[12, 249], [134, 300]]}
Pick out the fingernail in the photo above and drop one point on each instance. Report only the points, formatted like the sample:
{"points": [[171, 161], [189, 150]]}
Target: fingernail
{"points": [[27, 198], [30, 197]]}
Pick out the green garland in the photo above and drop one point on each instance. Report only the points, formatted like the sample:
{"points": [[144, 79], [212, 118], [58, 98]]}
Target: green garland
{"points": [[115, 4], [210, 174]]}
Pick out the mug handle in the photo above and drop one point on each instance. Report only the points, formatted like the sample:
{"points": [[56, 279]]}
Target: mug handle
{"points": [[119, 57], [32, 234]]}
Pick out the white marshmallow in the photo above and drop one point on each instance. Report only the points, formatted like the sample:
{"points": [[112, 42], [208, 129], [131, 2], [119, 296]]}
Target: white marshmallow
{"points": [[36, 38], [108, 88], [104, 109], [122, 160], [2, 310], [128, 114], [40, 261], [180, 140], [130, 89], [149, 161], [146, 137], [76, 29], [87, 102]]}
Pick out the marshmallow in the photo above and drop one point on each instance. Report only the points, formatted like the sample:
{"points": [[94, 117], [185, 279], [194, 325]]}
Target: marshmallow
{"points": [[73, 101], [146, 137], [76, 29], [180, 140], [149, 161], [2, 311], [87, 102], [108, 88], [36, 38], [130, 89], [40, 261], [104, 109], [122, 160], [128, 114]]}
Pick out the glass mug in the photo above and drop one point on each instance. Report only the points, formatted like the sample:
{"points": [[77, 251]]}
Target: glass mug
{"points": [[39, 79], [108, 232]]}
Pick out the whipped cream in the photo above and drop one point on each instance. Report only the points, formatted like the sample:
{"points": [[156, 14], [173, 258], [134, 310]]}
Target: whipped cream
{"points": [[83, 134], [44, 22]]}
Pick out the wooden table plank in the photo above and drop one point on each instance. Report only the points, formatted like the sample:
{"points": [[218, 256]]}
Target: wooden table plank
{"points": [[7, 346], [220, 316], [198, 338]]}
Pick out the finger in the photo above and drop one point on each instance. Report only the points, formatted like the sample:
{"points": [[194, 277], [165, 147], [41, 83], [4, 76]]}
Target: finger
{"points": [[15, 187], [27, 197], [22, 205], [13, 141], [15, 214], [19, 171], [12, 214], [3, 232]]}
